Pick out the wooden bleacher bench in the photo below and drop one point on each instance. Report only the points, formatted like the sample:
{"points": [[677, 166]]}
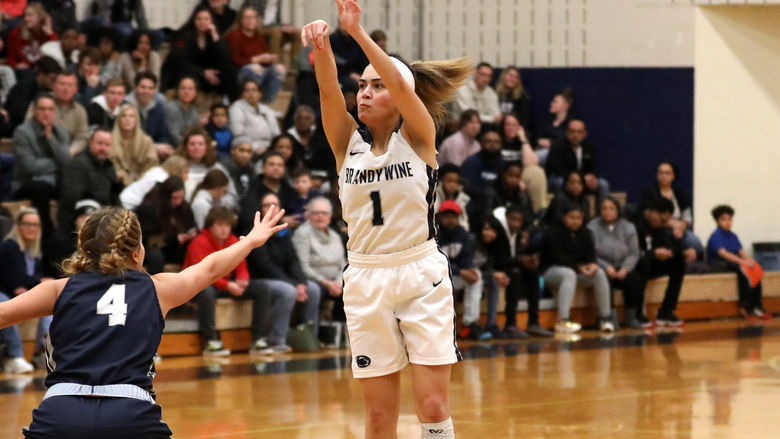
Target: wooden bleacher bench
{"points": [[6, 145]]}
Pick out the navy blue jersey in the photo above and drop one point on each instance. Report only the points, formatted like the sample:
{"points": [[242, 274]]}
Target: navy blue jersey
{"points": [[106, 330]]}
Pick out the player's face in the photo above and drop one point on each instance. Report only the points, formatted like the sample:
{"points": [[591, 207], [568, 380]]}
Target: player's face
{"points": [[374, 101], [573, 220]]}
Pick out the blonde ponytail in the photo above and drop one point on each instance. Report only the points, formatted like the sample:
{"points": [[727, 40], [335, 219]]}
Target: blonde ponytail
{"points": [[437, 81]]}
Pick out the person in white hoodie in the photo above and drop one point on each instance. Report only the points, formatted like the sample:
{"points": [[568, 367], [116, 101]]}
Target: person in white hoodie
{"points": [[132, 195], [252, 119]]}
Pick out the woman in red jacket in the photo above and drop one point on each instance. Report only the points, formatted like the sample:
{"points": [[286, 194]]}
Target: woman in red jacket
{"points": [[25, 41]]}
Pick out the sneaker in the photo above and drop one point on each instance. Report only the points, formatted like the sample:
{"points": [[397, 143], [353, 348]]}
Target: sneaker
{"points": [[281, 349], [567, 327], [512, 332], [606, 325], [664, 319], [260, 347], [494, 331], [214, 348], [39, 361], [477, 333], [632, 322], [761, 314], [538, 331], [644, 321], [17, 365]]}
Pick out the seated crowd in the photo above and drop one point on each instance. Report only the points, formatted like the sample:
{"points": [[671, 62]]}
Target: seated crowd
{"points": [[191, 143]]}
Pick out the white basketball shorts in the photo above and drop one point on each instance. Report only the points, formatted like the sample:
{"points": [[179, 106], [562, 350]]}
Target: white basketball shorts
{"points": [[400, 310]]}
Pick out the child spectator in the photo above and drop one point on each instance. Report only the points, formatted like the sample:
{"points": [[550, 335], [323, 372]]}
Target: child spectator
{"points": [[491, 247], [570, 258], [725, 253], [215, 236], [449, 188], [219, 130], [510, 189], [303, 186], [455, 242], [207, 195], [573, 193]]}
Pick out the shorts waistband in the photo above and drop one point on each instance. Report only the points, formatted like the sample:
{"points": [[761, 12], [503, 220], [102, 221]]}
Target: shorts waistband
{"points": [[110, 391], [393, 259]]}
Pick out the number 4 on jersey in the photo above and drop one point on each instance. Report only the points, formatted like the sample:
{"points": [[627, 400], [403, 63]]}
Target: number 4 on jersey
{"points": [[113, 304]]}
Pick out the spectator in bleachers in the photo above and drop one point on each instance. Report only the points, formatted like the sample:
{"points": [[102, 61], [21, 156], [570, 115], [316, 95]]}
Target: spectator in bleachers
{"points": [[116, 13], [270, 180], [513, 97], [132, 151], [89, 76], [104, 108], [555, 129], [198, 52], [107, 44], [304, 126], [449, 188], [181, 114], [320, 251], [573, 192], [488, 250], [22, 269], [311, 146], [249, 117], [462, 144], [71, 114], [30, 86], [167, 224], [23, 48], [239, 166], [662, 255], [139, 58], [682, 217], [455, 242], [725, 254], [41, 148], [201, 154], [250, 55], [478, 95], [62, 243], [207, 195], [151, 110], [276, 266], [350, 59], [62, 13], [11, 12], [89, 175], [380, 38], [280, 34], [479, 173], [305, 192], [219, 129], [134, 193], [617, 253], [224, 16], [569, 259], [284, 144], [515, 147], [214, 236], [510, 189], [65, 50], [517, 261], [574, 153]]}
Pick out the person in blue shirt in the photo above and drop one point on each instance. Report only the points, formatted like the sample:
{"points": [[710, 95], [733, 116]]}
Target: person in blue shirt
{"points": [[725, 253], [219, 129]]}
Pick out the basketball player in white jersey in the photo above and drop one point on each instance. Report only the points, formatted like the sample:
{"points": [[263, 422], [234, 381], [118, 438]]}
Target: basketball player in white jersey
{"points": [[397, 287]]}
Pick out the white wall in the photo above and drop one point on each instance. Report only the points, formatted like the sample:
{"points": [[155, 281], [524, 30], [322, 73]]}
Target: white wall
{"points": [[737, 119]]}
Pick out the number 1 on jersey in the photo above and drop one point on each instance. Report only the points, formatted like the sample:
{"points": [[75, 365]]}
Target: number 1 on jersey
{"points": [[378, 220], [113, 304]]}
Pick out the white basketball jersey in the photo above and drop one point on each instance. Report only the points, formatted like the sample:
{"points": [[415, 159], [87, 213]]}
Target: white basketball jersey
{"points": [[387, 201]]}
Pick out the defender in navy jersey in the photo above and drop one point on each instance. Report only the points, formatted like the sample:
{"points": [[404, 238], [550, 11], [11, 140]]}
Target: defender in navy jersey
{"points": [[397, 286], [108, 322]]}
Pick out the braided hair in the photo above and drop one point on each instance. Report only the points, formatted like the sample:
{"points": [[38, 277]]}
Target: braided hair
{"points": [[105, 242]]}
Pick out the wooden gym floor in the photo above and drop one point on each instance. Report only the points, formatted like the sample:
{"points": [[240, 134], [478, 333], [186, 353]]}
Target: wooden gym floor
{"points": [[713, 380]]}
